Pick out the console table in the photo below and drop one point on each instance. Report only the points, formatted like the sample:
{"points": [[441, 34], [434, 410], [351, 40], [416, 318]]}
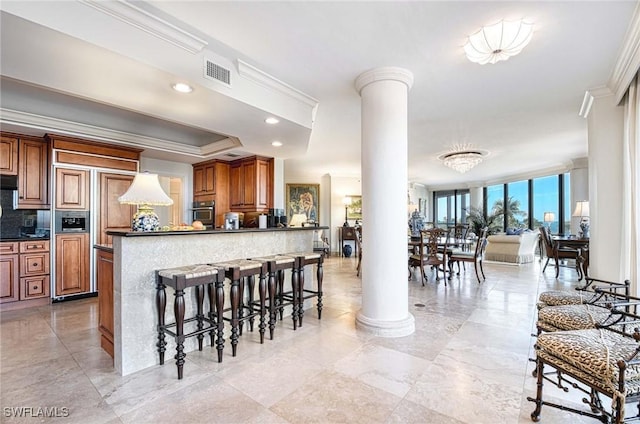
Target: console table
{"points": [[348, 234]]}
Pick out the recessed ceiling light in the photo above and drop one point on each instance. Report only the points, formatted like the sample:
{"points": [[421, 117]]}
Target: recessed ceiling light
{"points": [[182, 87], [271, 120], [276, 143]]}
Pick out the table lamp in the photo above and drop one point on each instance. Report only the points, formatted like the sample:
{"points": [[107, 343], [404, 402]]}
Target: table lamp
{"points": [[346, 201], [582, 211], [144, 192], [549, 217]]}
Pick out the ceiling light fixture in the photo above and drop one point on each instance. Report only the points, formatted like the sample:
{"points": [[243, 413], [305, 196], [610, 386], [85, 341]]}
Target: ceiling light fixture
{"points": [[462, 158], [276, 143], [498, 42], [271, 120], [182, 87]]}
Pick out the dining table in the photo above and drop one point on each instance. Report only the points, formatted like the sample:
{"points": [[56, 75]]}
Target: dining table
{"points": [[413, 244]]}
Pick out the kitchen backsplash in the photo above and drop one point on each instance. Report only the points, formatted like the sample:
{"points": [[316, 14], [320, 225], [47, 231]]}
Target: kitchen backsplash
{"points": [[20, 222]]}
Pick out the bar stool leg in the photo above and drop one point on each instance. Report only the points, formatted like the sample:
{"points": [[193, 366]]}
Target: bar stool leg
{"points": [[240, 312], [262, 293], [272, 303], [235, 301], [212, 311], [280, 293], [161, 304], [178, 309], [294, 293], [252, 284], [319, 276], [219, 321], [301, 293], [200, 313]]}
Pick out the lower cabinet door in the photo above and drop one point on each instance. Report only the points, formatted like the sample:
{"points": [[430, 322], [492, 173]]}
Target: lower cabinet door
{"points": [[9, 278], [34, 287], [72, 264]]}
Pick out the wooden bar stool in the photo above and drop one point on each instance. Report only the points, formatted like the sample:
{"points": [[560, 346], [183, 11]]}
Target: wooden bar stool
{"points": [[237, 271], [179, 279], [276, 265], [304, 259]]}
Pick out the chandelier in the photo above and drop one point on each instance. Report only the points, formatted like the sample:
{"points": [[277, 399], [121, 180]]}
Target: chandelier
{"points": [[462, 158], [498, 42]]}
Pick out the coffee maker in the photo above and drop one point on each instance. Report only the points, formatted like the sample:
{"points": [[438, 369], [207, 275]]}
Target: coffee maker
{"points": [[231, 221], [276, 217]]}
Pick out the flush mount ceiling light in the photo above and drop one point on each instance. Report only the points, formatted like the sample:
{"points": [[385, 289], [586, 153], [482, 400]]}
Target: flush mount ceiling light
{"points": [[498, 42], [271, 120], [462, 157], [276, 143], [182, 87]]}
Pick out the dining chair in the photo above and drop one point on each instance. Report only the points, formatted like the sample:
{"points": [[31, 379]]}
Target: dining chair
{"points": [[427, 254], [558, 253], [458, 232], [475, 257]]}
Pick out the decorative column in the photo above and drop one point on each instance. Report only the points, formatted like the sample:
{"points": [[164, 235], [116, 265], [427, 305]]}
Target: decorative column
{"points": [[384, 93]]}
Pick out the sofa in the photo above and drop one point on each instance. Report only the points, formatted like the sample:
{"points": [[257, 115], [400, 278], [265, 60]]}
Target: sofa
{"points": [[514, 248]]}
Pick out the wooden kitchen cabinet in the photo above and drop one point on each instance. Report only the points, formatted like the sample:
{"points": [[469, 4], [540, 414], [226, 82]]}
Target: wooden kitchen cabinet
{"points": [[72, 189], [251, 184], [204, 180], [72, 264], [8, 155], [33, 174], [9, 273], [211, 182], [34, 287], [113, 215], [104, 278]]}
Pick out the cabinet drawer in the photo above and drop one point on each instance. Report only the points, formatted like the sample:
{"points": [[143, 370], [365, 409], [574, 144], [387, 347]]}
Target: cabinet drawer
{"points": [[34, 264], [34, 287], [8, 248], [34, 246]]}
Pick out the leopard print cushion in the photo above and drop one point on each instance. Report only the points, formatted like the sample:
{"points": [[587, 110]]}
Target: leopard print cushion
{"points": [[593, 352], [556, 297], [572, 317]]}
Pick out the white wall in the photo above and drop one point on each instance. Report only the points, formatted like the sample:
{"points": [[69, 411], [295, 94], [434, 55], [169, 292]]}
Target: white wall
{"points": [[579, 181]]}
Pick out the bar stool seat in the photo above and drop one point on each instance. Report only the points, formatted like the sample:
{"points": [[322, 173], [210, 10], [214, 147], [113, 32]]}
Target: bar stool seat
{"points": [[278, 299], [179, 279], [304, 259], [236, 271]]}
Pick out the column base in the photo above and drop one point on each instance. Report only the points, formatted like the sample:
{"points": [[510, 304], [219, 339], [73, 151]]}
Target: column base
{"points": [[401, 328]]}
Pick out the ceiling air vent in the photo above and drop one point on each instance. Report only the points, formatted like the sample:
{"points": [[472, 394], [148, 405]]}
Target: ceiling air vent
{"points": [[216, 72], [232, 155]]}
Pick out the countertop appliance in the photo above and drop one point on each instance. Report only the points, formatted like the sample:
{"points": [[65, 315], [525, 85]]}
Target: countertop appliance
{"points": [[204, 212], [72, 221], [231, 221]]}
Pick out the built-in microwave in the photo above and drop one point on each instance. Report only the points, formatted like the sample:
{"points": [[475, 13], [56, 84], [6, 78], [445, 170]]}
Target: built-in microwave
{"points": [[204, 212]]}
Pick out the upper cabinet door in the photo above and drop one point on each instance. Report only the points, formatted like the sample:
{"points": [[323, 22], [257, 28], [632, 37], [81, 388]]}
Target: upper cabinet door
{"points": [[72, 189], [8, 156], [113, 215], [33, 174]]}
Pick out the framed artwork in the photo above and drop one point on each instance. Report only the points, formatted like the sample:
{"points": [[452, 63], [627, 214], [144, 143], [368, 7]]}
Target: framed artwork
{"points": [[354, 210], [303, 203]]}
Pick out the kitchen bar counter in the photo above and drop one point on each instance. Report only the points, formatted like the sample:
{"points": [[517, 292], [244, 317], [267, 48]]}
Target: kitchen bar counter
{"points": [[136, 257], [23, 238]]}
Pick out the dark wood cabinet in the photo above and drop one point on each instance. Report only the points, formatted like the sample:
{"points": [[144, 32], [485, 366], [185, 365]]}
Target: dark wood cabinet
{"points": [[211, 182], [72, 264], [251, 184], [8, 155], [9, 273], [104, 279], [348, 234], [72, 189], [33, 174], [204, 180]]}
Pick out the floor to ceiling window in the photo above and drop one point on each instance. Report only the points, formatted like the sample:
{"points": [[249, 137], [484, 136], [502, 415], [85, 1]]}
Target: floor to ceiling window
{"points": [[566, 203], [451, 207], [546, 199], [494, 199], [517, 210]]}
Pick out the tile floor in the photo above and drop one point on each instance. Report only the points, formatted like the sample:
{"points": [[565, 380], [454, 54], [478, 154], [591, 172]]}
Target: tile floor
{"points": [[465, 363]]}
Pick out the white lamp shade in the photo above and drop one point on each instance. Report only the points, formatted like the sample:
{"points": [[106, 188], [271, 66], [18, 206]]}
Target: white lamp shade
{"points": [[582, 208], [498, 42], [549, 217], [145, 190], [346, 200]]}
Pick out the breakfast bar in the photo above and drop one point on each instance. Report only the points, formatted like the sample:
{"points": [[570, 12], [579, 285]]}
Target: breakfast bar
{"points": [[138, 255]]}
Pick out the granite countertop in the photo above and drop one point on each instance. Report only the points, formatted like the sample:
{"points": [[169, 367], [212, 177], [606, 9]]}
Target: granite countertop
{"points": [[213, 231], [23, 238], [105, 247]]}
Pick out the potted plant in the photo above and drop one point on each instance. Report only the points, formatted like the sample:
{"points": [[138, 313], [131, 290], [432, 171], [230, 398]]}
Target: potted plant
{"points": [[477, 220]]}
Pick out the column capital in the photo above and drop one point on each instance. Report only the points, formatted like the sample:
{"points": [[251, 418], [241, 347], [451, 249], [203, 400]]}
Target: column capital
{"points": [[384, 73]]}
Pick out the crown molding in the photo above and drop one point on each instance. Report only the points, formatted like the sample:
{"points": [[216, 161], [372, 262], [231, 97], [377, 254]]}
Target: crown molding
{"points": [[130, 14], [61, 126], [383, 74], [628, 62], [257, 76]]}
